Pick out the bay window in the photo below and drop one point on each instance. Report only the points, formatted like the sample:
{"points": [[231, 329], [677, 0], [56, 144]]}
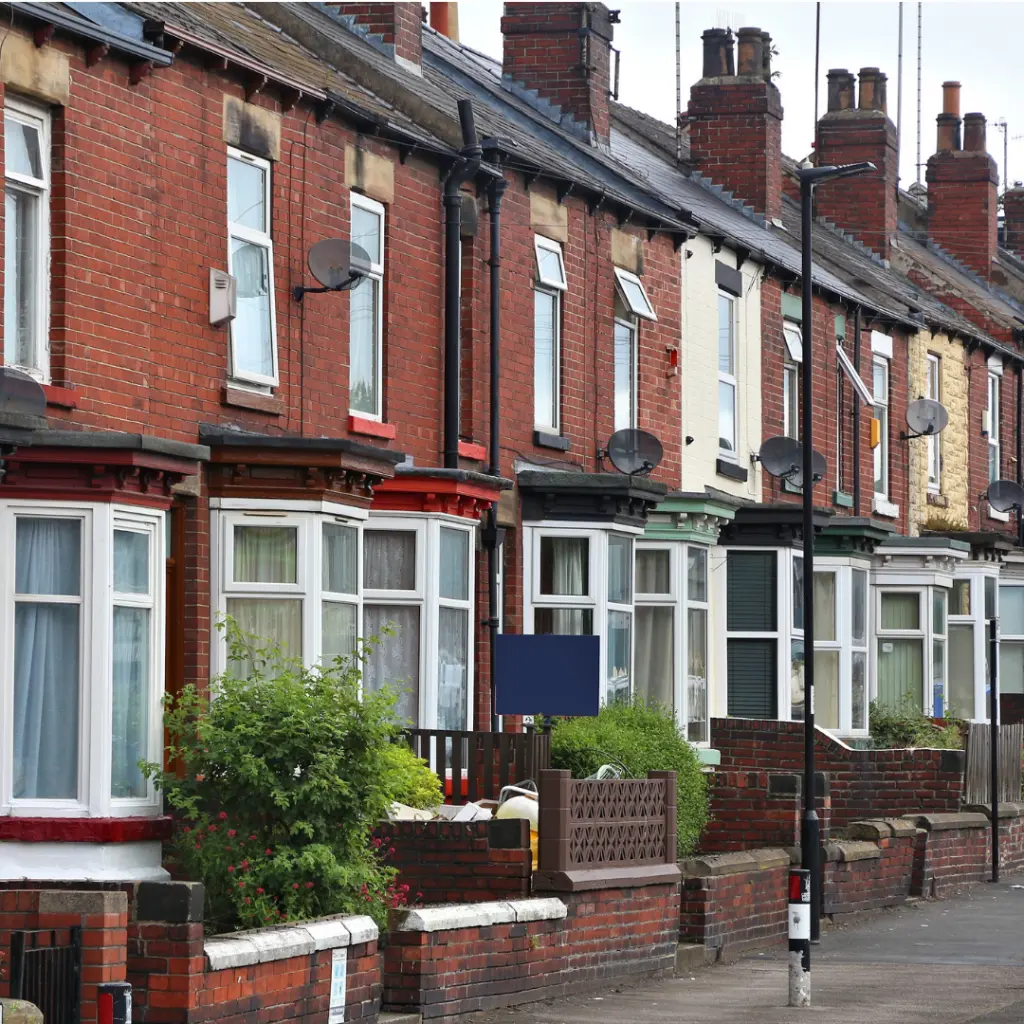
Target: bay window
{"points": [[81, 616], [27, 236], [251, 263], [671, 661], [580, 583], [1011, 638], [752, 632], [911, 648], [366, 312]]}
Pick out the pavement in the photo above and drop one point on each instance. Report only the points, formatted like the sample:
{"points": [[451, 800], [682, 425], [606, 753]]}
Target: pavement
{"points": [[952, 961]]}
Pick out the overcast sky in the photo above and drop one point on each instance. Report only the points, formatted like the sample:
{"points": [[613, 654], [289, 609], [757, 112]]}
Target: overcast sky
{"points": [[973, 43]]}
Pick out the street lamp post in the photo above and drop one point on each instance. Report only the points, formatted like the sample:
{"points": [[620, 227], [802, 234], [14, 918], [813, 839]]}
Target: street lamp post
{"points": [[810, 835]]}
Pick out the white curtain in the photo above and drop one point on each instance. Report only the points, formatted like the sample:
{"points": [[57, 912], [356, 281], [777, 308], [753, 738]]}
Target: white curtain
{"points": [[563, 621], [46, 660], [564, 566], [269, 620], [131, 701], [454, 564], [395, 661], [339, 630], [453, 662], [620, 570], [265, 554], [654, 654], [341, 558], [389, 560], [131, 562], [652, 571]]}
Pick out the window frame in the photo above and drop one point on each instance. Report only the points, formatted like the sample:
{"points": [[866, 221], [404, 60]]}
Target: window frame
{"points": [[933, 390], [881, 452], [39, 117], [633, 329], [541, 242], [377, 266], [624, 277], [554, 291], [994, 423], [729, 379], [97, 601], [265, 240]]}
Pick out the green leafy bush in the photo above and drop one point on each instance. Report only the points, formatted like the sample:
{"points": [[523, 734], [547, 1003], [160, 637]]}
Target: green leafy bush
{"points": [[410, 778], [643, 739], [277, 784], [907, 726]]}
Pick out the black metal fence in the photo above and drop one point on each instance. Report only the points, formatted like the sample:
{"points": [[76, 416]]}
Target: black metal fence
{"points": [[46, 969]]}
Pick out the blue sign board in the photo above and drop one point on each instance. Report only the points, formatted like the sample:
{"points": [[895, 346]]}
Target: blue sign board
{"points": [[548, 675]]}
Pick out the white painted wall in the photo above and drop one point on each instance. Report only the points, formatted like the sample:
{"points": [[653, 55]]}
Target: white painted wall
{"points": [[699, 375]]}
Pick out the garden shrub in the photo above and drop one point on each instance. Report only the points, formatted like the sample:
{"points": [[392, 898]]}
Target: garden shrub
{"points": [[411, 780], [642, 738], [908, 726], [277, 784]]}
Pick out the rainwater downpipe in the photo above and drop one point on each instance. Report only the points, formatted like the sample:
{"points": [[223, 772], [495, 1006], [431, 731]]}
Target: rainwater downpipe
{"points": [[465, 168], [493, 535], [856, 415]]}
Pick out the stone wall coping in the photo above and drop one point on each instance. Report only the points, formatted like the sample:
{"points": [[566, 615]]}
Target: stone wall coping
{"points": [[64, 901], [590, 879], [848, 850], [455, 916], [263, 945], [901, 827], [948, 820], [733, 863], [872, 830], [1006, 810]]}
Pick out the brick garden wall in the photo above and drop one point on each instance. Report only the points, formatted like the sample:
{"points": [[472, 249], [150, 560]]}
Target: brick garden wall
{"points": [[862, 783], [871, 869], [460, 862]]}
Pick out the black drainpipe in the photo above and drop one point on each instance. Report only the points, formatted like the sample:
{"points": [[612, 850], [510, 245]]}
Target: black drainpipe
{"points": [[465, 168], [856, 416], [493, 535], [1020, 454]]}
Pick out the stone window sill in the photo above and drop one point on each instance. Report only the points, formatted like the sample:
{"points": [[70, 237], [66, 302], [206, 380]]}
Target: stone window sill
{"points": [[884, 507], [240, 398]]}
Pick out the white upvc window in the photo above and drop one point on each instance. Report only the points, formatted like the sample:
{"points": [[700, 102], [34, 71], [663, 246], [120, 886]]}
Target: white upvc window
{"points": [[633, 295], [288, 577], [580, 583], [366, 312], [251, 263], [933, 382], [671, 660], [880, 393], [82, 626], [973, 601], [728, 403], [418, 574], [547, 331], [911, 647], [625, 344], [27, 237], [1011, 638], [792, 359], [993, 425]]}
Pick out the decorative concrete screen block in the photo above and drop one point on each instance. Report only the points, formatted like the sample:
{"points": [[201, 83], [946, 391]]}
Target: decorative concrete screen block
{"points": [[268, 944], [476, 915]]}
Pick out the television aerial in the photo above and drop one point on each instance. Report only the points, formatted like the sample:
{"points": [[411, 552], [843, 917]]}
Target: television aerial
{"points": [[925, 417], [1005, 495], [783, 457], [634, 452], [338, 266]]}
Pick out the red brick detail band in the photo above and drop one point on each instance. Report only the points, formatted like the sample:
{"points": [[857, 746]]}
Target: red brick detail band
{"points": [[84, 830], [372, 428]]}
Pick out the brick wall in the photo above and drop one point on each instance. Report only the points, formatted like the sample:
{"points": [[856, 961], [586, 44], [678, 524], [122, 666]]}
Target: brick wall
{"points": [[871, 868], [735, 901], [756, 809], [446, 961], [460, 862], [863, 783]]}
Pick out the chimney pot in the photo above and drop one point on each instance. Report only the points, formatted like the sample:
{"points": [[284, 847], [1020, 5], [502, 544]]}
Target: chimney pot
{"points": [[718, 53], [948, 133], [840, 89], [872, 90], [951, 98], [750, 52], [444, 18], [974, 133]]}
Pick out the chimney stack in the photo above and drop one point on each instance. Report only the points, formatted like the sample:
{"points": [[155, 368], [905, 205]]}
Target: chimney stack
{"points": [[1013, 218], [400, 26], [563, 53], [963, 188], [865, 205], [735, 117]]}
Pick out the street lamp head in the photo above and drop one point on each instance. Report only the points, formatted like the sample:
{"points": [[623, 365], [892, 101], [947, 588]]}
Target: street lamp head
{"points": [[816, 175]]}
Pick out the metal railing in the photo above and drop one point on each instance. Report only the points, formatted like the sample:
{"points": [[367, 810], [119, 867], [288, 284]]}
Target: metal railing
{"points": [[46, 969], [478, 765]]}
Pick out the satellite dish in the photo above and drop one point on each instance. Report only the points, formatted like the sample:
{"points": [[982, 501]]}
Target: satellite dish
{"points": [[338, 265], [1004, 495], [781, 456], [818, 467], [784, 457], [634, 452], [926, 417]]}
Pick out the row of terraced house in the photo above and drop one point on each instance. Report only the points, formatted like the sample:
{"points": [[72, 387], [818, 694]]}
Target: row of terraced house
{"points": [[326, 464]]}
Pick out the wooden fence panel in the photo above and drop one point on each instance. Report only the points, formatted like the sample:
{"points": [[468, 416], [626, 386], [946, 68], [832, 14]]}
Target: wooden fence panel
{"points": [[979, 763]]}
